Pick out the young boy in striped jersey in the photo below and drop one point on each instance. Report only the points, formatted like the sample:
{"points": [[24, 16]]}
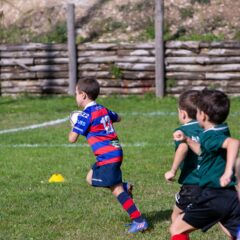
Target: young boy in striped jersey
{"points": [[96, 124], [185, 158], [218, 201]]}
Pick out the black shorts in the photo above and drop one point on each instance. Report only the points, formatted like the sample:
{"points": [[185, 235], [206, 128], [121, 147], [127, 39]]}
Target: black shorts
{"points": [[107, 175], [187, 195], [212, 206]]}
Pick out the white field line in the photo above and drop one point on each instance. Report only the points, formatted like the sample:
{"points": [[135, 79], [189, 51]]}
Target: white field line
{"points": [[140, 144], [45, 124], [58, 121]]}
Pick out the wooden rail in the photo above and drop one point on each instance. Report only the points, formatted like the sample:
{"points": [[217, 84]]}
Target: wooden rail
{"points": [[41, 69]]}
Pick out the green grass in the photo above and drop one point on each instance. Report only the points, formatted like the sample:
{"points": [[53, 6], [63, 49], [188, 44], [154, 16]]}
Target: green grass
{"points": [[208, 37], [33, 209]]}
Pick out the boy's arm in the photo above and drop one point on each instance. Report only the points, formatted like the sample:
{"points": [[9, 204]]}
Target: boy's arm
{"points": [[180, 136], [119, 119], [114, 116], [179, 156], [72, 137], [232, 146]]}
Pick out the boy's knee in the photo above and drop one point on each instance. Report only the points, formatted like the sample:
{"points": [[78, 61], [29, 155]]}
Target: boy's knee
{"points": [[89, 177], [89, 181], [117, 189]]}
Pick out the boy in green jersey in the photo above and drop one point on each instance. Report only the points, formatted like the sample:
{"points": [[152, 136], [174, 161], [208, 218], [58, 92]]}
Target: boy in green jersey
{"points": [[218, 200], [185, 158]]}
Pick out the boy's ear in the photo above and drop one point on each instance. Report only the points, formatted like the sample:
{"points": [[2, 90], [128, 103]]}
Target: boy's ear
{"points": [[84, 95], [205, 117], [183, 114]]}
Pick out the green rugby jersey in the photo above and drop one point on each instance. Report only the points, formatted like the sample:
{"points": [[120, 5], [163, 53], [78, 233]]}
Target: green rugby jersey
{"points": [[189, 173], [213, 157]]}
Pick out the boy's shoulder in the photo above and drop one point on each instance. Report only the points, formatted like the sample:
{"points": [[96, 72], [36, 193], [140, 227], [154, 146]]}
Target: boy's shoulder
{"points": [[218, 130], [213, 138], [93, 107], [191, 126]]}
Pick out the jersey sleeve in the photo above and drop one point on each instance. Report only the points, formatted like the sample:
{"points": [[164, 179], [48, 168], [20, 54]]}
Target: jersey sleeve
{"points": [[113, 116], [83, 123]]}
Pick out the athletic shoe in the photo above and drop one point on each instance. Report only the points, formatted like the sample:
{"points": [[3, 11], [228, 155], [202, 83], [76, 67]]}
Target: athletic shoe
{"points": [[138, 226]]}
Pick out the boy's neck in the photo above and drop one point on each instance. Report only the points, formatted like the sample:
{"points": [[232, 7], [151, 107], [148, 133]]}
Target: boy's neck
{"points": [[187, 120], [86, 103], [208, 125]]}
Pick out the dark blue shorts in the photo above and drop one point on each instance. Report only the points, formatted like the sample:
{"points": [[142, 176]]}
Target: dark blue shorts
{"points": [[107, 175], [212, 206]]}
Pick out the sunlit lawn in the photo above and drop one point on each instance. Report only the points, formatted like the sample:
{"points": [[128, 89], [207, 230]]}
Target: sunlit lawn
{"points": [[32, 208]]}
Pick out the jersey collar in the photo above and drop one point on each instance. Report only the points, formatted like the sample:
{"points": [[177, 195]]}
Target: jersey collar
{"points": [[219, 127], [190, 123], [90, 104]]}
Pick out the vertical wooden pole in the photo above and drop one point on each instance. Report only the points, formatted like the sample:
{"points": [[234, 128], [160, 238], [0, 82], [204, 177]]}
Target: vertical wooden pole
{"points": [[159, 48], [72, 55]]}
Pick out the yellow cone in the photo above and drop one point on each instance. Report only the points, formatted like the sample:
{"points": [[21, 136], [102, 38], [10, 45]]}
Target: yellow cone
{"points": [[57, 177]]}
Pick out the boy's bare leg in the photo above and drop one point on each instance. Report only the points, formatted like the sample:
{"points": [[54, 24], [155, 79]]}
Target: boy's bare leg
{"points": [[176, 212], [180, 226], [117, 189], [89, 177], [225, 231]]}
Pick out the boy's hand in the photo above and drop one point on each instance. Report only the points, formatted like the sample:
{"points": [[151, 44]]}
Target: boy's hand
{"points": [[179, 136], [169, 176], [225, 179]]}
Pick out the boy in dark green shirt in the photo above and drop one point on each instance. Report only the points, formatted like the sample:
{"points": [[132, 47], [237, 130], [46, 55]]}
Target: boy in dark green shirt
{"points": [[184, 157], [218, 201]]}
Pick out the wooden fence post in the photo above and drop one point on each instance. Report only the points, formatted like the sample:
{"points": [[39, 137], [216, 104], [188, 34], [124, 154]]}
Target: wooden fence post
{"points": [[72, 54], [159, 48]]}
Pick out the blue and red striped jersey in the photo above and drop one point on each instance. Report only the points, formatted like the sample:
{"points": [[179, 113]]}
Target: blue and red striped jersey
{"points": [[96, 124]]}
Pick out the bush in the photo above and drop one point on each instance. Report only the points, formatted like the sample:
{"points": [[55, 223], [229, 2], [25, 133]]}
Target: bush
{"points": [[205, 37], [58, 35]]}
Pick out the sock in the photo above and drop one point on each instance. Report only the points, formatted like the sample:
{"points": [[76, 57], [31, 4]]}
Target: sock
{"points": [[182, 236], [129, 206], [125, 186]]}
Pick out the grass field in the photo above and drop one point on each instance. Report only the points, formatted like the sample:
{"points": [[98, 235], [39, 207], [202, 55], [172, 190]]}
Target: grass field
{"points": [[33, 209]]}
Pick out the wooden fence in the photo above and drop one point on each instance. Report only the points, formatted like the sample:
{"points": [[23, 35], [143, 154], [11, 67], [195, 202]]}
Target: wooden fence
{"points": [[40, 69]]}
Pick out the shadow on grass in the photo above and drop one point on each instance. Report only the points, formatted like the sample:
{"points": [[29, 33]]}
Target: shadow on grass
{"points": [[7, 102], [158, 216]]}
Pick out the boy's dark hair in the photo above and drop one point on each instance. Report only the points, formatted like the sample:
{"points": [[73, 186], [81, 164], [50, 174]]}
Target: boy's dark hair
{"points": [[215, 104], [90, 86], [188, 102]]}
